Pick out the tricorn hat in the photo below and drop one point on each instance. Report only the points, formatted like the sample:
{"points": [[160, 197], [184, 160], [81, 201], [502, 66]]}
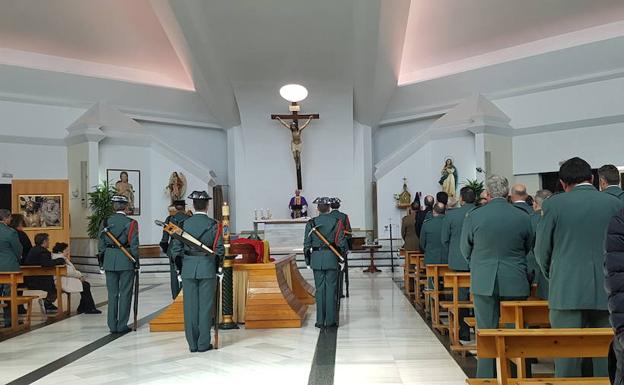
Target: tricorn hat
{"points": [[322, 201], [199, 196], [119, 199]]}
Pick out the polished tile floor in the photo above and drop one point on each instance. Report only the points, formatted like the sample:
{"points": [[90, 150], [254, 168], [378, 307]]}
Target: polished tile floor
{"points": [[382, 340]]}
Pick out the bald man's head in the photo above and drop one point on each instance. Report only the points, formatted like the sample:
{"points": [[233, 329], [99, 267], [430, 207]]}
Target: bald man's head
{"points": [[518, 193], [429, 201], [439, 209]]}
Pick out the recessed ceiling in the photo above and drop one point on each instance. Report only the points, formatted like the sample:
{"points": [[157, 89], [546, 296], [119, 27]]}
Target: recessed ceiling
{"points": [[116, 39], [450, 36]]}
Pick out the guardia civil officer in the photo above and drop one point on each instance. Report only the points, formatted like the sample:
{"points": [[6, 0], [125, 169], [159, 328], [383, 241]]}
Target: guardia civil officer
{"points": [[175, 263], [569, 249], [323, 261], [451, 234], [118, 267], [199, 272], [348, 232], [10, 253], [495, 241]]}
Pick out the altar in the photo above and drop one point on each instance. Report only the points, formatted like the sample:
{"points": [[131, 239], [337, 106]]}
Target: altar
{"points": [[284, 235]]}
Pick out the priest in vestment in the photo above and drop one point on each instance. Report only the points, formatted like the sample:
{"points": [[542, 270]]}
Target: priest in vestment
{"points": [[298, 206]]}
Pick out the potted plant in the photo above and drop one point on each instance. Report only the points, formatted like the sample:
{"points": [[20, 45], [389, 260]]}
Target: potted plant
{"points": [[101, 207], [475, 185]]}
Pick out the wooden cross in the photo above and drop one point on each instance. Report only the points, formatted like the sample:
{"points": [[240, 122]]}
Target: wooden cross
{"points": [[295, 130]]}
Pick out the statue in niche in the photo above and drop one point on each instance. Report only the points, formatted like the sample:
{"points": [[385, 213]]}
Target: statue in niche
{"points": [[448, 181], [176, 186]]}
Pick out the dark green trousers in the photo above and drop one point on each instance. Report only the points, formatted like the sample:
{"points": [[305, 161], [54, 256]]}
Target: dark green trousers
{"points": [[464, 329], [119, 285], [199, 300], [176, 285], [326, 283], [561, 319], [487, 313]]}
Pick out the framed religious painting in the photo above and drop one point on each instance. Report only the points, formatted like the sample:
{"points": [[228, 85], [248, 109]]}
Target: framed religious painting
{"points": [[42, 211], [128, 184]]}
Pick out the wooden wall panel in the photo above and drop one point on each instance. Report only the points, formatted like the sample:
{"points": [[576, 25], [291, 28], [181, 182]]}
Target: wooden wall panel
{"points": [[44, 187]]}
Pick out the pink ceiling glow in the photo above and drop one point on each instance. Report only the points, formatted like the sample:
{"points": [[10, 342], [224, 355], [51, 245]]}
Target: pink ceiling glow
{"points": [[114, 39], [450, 36]]}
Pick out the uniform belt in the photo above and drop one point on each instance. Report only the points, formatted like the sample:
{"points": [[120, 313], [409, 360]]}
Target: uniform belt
{"points": [[116, 247], [320, 248]]}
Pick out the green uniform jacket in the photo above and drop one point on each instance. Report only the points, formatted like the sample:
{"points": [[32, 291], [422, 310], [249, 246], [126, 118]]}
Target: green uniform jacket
{"points": [[570, 247], [114, 259], [345, 222], [524, 206], [451, 235], [178, 218], [10, 249], [333, 231], [534, 269], [198, 265], [496, 239], [431, 241], [615, 191]]}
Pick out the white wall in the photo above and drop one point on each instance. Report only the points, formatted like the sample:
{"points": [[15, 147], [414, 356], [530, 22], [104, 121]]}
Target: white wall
{"points": [[388, 139], [30, 161], [262, 163], [422, 171], [542, 152]]}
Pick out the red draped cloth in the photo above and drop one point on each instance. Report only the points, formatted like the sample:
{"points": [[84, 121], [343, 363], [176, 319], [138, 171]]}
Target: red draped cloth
{"points": [[258, 246]]}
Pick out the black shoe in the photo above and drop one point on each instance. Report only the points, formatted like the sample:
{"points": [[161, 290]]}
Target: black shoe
{"points": [[21, 310], [93, 311], [193, 350], [333, 326], [318, 325], [124, 330], [49, 306], [210, 347]]}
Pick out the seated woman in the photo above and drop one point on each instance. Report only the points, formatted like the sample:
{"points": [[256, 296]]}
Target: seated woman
{"points": [[75, 282], [18, 223], [41, 256]]}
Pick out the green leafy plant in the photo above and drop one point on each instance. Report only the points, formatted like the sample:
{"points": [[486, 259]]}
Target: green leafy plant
{"points": [[101, 207], [475, 186]]}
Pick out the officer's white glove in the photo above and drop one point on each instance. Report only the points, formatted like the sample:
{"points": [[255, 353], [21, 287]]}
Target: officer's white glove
{"points": [[220, 271], [342, 265]]}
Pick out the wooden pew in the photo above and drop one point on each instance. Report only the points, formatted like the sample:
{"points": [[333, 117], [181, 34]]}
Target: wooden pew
{"points": [[13, 279], [525, 314], [57, 272], [513, 344], [412, 274], [436, 272], [456, 280]]}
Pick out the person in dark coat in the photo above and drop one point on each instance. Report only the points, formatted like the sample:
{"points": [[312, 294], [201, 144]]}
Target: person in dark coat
{"points": [[18, 223], [425, 214], [41, 256], [614, 285]]}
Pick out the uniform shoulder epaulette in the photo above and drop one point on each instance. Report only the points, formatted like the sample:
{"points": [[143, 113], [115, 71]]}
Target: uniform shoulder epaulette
{"points": [[427, 220]]}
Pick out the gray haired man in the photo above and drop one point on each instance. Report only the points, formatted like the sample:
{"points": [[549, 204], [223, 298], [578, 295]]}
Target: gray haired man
{"points": [[495, 240]]}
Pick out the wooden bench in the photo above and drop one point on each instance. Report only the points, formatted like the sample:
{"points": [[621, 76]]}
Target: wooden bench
{"points": [[513, 344], [524, 314], [543, 381], [13, 279], [435, 272], [412, 274], [57, 272], [455, 281]]}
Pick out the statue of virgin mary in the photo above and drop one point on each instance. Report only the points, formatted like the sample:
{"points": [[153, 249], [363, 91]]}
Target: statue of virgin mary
{"points": [[448, 181]]}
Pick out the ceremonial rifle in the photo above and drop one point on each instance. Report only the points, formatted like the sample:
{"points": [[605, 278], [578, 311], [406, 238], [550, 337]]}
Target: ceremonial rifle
{"points": [[326, 242], [176, 232], [124, 250]]}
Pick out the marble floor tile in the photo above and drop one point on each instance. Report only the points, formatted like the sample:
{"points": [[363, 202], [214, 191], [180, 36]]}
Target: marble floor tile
{"points": [[381, 340]]}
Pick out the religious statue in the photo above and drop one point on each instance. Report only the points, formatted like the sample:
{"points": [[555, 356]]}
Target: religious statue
{"points": [[448, 181], [125, 188], [296, 144], [298, 206], [404, 199], [176, 186]]}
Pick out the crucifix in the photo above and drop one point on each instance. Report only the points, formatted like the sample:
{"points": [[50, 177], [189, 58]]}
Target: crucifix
{"points": [[294, 127]]}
